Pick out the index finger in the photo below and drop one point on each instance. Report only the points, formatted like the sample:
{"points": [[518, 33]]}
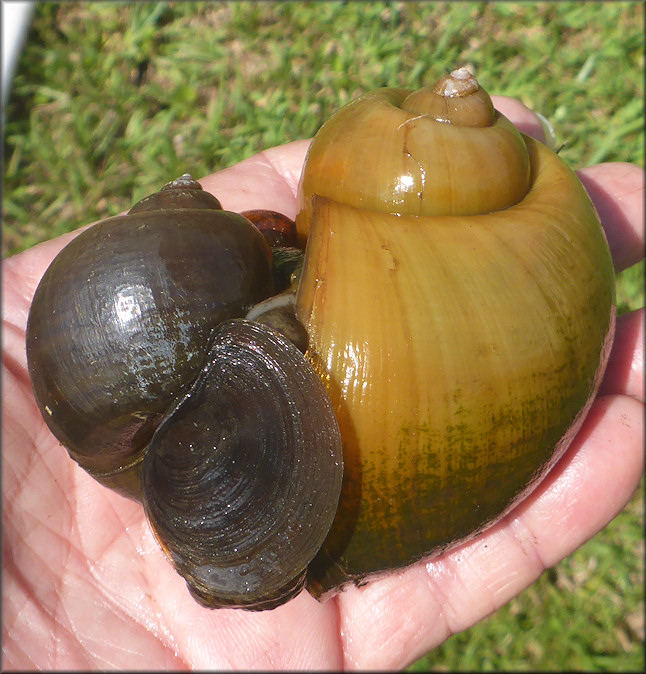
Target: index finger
{"points": [[617, 191]]}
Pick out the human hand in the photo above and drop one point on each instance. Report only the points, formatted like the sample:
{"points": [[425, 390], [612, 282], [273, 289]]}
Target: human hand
{"points": [[86, 585]]}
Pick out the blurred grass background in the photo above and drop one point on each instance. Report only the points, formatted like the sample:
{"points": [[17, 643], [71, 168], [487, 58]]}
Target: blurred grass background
{"points": [[112, 100]]}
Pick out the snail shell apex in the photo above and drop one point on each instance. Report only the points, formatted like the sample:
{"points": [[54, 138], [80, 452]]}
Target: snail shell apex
{"points": [[183, 192], [473, 107]]}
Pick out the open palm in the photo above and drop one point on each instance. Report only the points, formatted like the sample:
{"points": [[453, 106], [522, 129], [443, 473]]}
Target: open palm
{"points": [[86, 586]]}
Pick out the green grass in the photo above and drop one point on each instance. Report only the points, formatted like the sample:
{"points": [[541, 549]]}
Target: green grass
{"points": [[110, 101]]}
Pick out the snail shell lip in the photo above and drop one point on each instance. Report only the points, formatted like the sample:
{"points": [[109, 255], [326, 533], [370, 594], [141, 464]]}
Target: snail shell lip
{"points": [[275, 302], [279, 313], [242, 479]]}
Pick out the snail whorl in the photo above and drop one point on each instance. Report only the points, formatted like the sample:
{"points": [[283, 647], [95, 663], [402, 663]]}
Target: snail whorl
{"points": [[420, 153]]}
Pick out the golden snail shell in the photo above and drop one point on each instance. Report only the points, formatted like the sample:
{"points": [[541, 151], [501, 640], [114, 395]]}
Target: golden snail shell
{"points": [[458, 295]]}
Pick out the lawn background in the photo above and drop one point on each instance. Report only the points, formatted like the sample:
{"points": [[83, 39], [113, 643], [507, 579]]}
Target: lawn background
{"points": [[111, 100]]}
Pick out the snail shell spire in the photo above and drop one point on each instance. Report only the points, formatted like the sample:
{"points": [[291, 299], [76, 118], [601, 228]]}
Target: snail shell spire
{"points": [[455, 99], [183, 192], [442, 150]]}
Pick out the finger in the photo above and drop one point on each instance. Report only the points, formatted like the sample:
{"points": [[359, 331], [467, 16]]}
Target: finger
{"points": [[625, 371], [520, 115], [409, 613], [617, 190], [266, 180]]}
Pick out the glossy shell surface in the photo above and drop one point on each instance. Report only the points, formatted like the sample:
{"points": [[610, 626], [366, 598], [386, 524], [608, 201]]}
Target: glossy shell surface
{"points": [[144, 368], [121, 320], [461, 345], [242, 480]]}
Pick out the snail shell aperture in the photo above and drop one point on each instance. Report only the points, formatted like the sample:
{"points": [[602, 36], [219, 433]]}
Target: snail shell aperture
{"points": [[237, 479], [455, 306]]}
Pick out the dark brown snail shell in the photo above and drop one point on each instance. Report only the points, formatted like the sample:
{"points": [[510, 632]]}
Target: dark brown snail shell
{"points": [[130, 335], [119, 322], [237, 479]]}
